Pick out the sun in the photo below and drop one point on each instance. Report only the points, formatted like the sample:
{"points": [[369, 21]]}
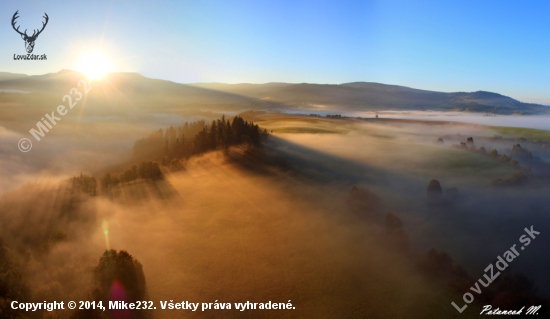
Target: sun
{"points": [[94, 65]]}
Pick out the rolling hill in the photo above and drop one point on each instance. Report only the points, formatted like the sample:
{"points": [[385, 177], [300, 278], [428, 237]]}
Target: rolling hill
{"points": [[132, 91]]}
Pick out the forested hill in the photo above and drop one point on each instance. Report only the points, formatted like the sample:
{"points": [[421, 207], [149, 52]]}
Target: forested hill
{"points": [[172, 147], [196, 138]]}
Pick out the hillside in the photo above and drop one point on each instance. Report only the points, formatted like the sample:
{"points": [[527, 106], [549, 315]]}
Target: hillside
{"points": [[363, 96], [134, 92]]}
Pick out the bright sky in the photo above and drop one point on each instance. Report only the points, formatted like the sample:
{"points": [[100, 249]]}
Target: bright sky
{"points": [[500, 46]]}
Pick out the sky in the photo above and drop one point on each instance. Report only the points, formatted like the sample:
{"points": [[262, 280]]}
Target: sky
{"points": [[498, 46]]}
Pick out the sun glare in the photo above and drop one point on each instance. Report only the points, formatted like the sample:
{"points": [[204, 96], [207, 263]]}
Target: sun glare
{"points": [[94, 65]]}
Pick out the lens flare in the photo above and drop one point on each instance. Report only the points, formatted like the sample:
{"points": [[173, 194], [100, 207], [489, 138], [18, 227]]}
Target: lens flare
{"points": [[105, 227], [118, 293]]}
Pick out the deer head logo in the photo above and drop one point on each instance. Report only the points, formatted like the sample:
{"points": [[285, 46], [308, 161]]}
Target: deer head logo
{"points": [[29, 40]]}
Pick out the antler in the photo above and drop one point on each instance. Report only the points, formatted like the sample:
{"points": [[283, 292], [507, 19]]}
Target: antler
{"points": [[34, 34], [13, 23]]}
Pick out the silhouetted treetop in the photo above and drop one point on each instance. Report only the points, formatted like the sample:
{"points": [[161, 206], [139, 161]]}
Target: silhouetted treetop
{"points": [[434, 188], [122, 267]]}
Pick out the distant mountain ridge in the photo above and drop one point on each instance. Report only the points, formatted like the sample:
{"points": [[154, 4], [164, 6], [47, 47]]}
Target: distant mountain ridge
{"points": [[376, 96], [355, 96]]}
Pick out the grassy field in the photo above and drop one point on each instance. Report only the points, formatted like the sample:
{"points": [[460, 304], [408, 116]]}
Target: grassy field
{"points": [[517, 132], [302, 124], [406, 147]]}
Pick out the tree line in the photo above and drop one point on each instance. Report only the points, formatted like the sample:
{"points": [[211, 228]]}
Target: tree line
{"points": [[469, 145], [198, 137], [146, 171], [84, 183]]}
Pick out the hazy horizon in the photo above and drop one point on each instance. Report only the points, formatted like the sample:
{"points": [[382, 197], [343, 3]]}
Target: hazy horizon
{"points": [[271, 82]]}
